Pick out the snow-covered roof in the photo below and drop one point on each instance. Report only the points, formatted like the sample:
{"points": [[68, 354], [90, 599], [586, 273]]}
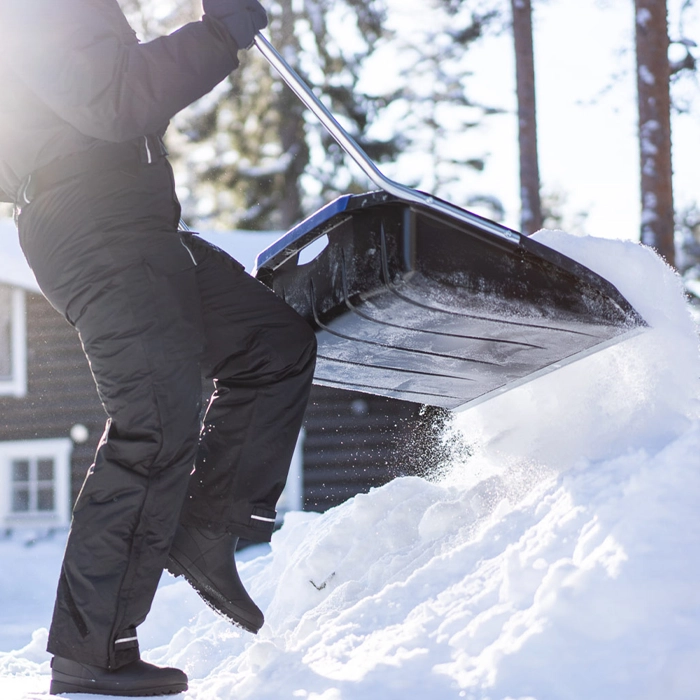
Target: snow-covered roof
{"points": [[14, 270], [242, 245]]}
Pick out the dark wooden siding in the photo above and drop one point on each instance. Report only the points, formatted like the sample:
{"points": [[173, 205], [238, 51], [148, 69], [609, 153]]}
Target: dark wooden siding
{"points": [[358, 441]]}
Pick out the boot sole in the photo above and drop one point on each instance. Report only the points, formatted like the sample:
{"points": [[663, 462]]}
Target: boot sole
{"points": [[209, 594], [67, 684]]}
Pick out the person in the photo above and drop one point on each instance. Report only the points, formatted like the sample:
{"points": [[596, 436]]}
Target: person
{"points": [[84, 109]]}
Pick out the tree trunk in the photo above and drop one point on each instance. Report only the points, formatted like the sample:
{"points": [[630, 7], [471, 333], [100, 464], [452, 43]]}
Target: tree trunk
{"points": [[291, 132], [657, 224], [531, 210]]}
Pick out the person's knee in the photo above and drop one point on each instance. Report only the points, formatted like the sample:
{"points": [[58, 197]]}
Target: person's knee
{"points": [[157, 445], [156, 425]]}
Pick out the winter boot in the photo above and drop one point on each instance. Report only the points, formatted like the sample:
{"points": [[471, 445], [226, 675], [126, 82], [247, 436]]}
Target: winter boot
{"points": [[207, 561], [136, 678]]}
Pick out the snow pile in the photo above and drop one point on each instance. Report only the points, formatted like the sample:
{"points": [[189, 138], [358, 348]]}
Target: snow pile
{"points": [[552, 558]]}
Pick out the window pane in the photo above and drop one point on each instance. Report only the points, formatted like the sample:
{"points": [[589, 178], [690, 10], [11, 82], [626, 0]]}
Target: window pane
{"points": [[45, 469], [44, 499], [20, 470], [5, 332], [20, 500]]}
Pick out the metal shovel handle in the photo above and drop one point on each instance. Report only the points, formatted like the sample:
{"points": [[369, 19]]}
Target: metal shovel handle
{"points": [[350, 146]]}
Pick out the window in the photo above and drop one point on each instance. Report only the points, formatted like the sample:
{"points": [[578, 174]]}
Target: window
{"points": [[13, 350], [33, 485], [35, 489]]}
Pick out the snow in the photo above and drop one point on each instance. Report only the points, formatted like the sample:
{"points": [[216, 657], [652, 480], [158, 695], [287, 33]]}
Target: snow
{"points": [[643, 17], [646, 75], [553, 556]]}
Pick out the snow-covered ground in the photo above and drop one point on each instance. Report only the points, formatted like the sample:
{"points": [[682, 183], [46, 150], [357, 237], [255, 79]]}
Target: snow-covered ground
{"points": [[555, 556]]}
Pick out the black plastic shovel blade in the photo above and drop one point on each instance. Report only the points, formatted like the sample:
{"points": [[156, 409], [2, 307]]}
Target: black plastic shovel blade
{"points": [[413, 304]]}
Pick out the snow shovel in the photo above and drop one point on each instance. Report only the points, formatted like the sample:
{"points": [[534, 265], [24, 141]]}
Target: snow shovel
{"points": [[417, 299]]}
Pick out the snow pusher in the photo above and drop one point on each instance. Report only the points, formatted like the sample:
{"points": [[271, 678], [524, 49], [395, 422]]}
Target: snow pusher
{"points": [[416, 299]]}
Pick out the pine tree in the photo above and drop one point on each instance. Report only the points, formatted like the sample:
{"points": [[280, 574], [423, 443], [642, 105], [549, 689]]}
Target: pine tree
{"points": [[438, 112], [249, 155], [253, 158]]}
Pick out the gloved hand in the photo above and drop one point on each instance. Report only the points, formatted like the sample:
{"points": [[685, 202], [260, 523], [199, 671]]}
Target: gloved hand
{"points": [[243, 18]]}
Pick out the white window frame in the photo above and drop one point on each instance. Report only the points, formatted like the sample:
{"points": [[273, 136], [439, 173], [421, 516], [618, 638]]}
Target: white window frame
{"points": [[16, 385], [57, 449]]}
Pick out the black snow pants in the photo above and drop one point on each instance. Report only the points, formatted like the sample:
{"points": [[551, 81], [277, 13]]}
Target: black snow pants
{"points": [[156, 309]]}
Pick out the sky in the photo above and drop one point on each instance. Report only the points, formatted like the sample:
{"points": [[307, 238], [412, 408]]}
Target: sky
{"points": [[587, 120]]}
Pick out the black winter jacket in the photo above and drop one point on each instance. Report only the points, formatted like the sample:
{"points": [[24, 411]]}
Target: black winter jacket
{"points": [[73, 75]]}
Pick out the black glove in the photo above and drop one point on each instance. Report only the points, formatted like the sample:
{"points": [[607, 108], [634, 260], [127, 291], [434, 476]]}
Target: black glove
{"points": [[243, 18]]}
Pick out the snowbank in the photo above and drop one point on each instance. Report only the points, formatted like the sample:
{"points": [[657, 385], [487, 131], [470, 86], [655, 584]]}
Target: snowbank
{"points": [[552, 557]]}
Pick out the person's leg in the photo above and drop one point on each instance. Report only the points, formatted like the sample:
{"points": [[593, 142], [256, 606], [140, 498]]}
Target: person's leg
{"points": [[261, 355], [136, 333], [107, 256]]}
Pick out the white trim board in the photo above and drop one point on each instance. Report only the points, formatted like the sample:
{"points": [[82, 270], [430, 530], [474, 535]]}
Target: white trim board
{"points": [[16, 385]]}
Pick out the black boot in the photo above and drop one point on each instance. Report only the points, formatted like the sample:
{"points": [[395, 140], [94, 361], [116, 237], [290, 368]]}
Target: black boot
{"points": [[136, 678], [206, 560]]}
